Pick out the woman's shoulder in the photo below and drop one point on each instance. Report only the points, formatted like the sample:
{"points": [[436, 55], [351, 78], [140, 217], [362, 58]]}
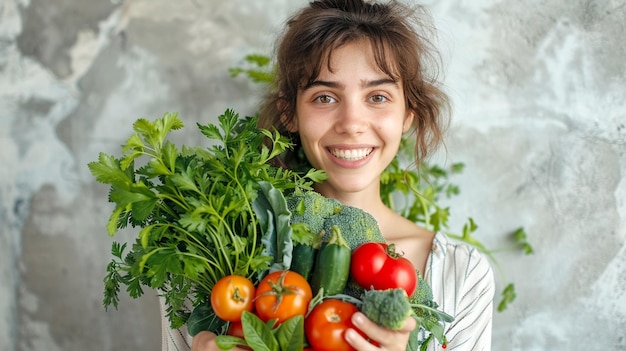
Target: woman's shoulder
{"points": [[445, 247], [456, 262]]}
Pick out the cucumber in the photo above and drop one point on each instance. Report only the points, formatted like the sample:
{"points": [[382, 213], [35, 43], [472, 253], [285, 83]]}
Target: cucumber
{"points": [[332, 265], [304, 250], [303, 259]]}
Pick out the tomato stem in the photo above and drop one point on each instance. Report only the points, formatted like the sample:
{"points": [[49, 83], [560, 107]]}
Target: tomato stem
{"points": [[279, 289], [391, 251], [237, 296]]}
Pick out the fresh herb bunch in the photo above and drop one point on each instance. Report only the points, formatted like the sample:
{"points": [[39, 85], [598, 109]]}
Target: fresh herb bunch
{"points": [[194, 207]]}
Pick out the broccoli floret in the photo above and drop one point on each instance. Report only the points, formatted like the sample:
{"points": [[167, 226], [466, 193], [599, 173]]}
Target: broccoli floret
{"points": [[423, 294], [388, 308], [356, 225], [426, 310], [311, 209]]}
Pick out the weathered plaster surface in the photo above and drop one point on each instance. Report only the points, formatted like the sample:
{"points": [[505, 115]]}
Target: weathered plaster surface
{"points": [[539, 121]]}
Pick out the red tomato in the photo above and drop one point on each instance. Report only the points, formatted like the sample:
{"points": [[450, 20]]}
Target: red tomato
{"points": [[236, 329], [282, 295], [326, 324], [231, 295], [377, 265]]}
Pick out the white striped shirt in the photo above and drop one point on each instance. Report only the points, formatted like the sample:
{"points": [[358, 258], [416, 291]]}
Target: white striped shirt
{"points": [[463, 285]]}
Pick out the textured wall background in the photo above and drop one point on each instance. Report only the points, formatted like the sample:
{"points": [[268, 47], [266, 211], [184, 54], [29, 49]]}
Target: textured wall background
{"points": [[540, 122]]}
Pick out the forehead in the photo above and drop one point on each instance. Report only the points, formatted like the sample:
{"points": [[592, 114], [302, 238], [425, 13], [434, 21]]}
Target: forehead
{"points": [[378, 57], [348, 56]]}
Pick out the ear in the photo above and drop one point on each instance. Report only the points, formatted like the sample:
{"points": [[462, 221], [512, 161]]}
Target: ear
{"points": [[408, 121]]}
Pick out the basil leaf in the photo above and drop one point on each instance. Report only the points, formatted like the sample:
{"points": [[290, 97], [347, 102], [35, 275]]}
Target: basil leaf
{"points": [[259, 336], [227, 342], [290, 334]]}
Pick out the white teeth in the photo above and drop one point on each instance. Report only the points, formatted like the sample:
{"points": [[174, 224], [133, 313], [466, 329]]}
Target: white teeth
{"points": [[351, 154]]}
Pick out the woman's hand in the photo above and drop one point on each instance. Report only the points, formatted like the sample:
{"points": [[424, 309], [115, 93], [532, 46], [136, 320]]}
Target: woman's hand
{"points": [[205, 341], [386, 339]]}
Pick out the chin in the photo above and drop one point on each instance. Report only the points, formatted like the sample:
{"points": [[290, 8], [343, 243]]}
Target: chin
{"points": [[348, 185]]}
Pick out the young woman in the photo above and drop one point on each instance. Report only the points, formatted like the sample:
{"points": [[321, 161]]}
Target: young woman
{"points": [[352, 78]]}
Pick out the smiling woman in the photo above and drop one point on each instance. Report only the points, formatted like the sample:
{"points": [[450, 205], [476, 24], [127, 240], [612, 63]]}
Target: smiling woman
{"points": [[352, 77]]}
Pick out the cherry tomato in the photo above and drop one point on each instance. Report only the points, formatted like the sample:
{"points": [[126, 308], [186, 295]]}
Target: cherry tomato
{"points": [[236, 329], [231, 295], [377, 265], [282, 295], [326, 324]]}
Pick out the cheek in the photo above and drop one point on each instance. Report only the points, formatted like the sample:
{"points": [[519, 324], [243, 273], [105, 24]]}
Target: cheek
{"points": [[392, 129], [310, 144], [311, 130]]}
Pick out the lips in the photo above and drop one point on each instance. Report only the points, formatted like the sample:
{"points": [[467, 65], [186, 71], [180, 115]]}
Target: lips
{"points": [[351, 154]]}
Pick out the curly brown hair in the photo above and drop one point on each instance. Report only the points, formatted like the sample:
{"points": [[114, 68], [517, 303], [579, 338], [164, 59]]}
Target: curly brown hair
{"points": [[399, 35]]}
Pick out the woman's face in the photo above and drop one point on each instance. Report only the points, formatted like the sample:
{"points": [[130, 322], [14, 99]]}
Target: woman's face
{"points": [[351, 120]]}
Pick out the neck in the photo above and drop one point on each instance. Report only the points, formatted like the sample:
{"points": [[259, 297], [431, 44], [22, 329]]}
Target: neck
{"points": [[368, 200]]}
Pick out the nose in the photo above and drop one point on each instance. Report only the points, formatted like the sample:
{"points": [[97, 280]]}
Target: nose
{"points": [[352, 118]]}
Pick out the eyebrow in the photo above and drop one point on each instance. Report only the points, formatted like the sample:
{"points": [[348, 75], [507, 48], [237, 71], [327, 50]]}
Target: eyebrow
{"points": [[364, 83]]}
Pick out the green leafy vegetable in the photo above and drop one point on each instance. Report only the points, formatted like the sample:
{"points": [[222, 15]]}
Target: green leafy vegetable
{"points": [[259, 336], [271, 210], [196, 209], [290, 334], [203, 318]]}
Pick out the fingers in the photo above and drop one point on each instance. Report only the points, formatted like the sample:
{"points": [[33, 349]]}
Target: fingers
{"points": [[386, 339], [409, 324], [203, 341]]}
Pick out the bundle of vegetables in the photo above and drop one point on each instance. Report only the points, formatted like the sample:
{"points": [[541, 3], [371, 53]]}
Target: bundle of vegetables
{"points": [[233, 243], [195, 207], [343, 254]]}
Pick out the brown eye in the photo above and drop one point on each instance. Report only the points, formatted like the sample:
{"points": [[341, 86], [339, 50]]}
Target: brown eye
{"points": [[378, 98], [324, 99]]}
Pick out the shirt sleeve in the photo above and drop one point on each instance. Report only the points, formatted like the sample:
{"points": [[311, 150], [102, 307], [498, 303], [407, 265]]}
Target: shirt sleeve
{"points": [[463, 286]]}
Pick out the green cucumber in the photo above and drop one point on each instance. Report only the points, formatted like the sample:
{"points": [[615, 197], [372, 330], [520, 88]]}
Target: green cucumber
{"points": [[332, 265], [303, 259], [304, 252]]}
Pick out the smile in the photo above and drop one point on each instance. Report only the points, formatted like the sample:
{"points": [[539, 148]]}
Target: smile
{"points": [[351, 154]]}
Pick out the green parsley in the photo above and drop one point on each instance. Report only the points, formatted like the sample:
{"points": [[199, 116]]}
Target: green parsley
{"points": [[194, 208]]}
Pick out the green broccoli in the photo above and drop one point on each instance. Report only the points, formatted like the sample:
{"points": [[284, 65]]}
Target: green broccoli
{"points": [[356, 225], [388, 308], [311, 209], [426, 312], [422, 301], [423, 294]]}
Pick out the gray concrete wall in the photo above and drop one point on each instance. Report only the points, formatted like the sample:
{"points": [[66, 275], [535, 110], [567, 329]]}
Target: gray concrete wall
{"points": [[540, 122]]}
